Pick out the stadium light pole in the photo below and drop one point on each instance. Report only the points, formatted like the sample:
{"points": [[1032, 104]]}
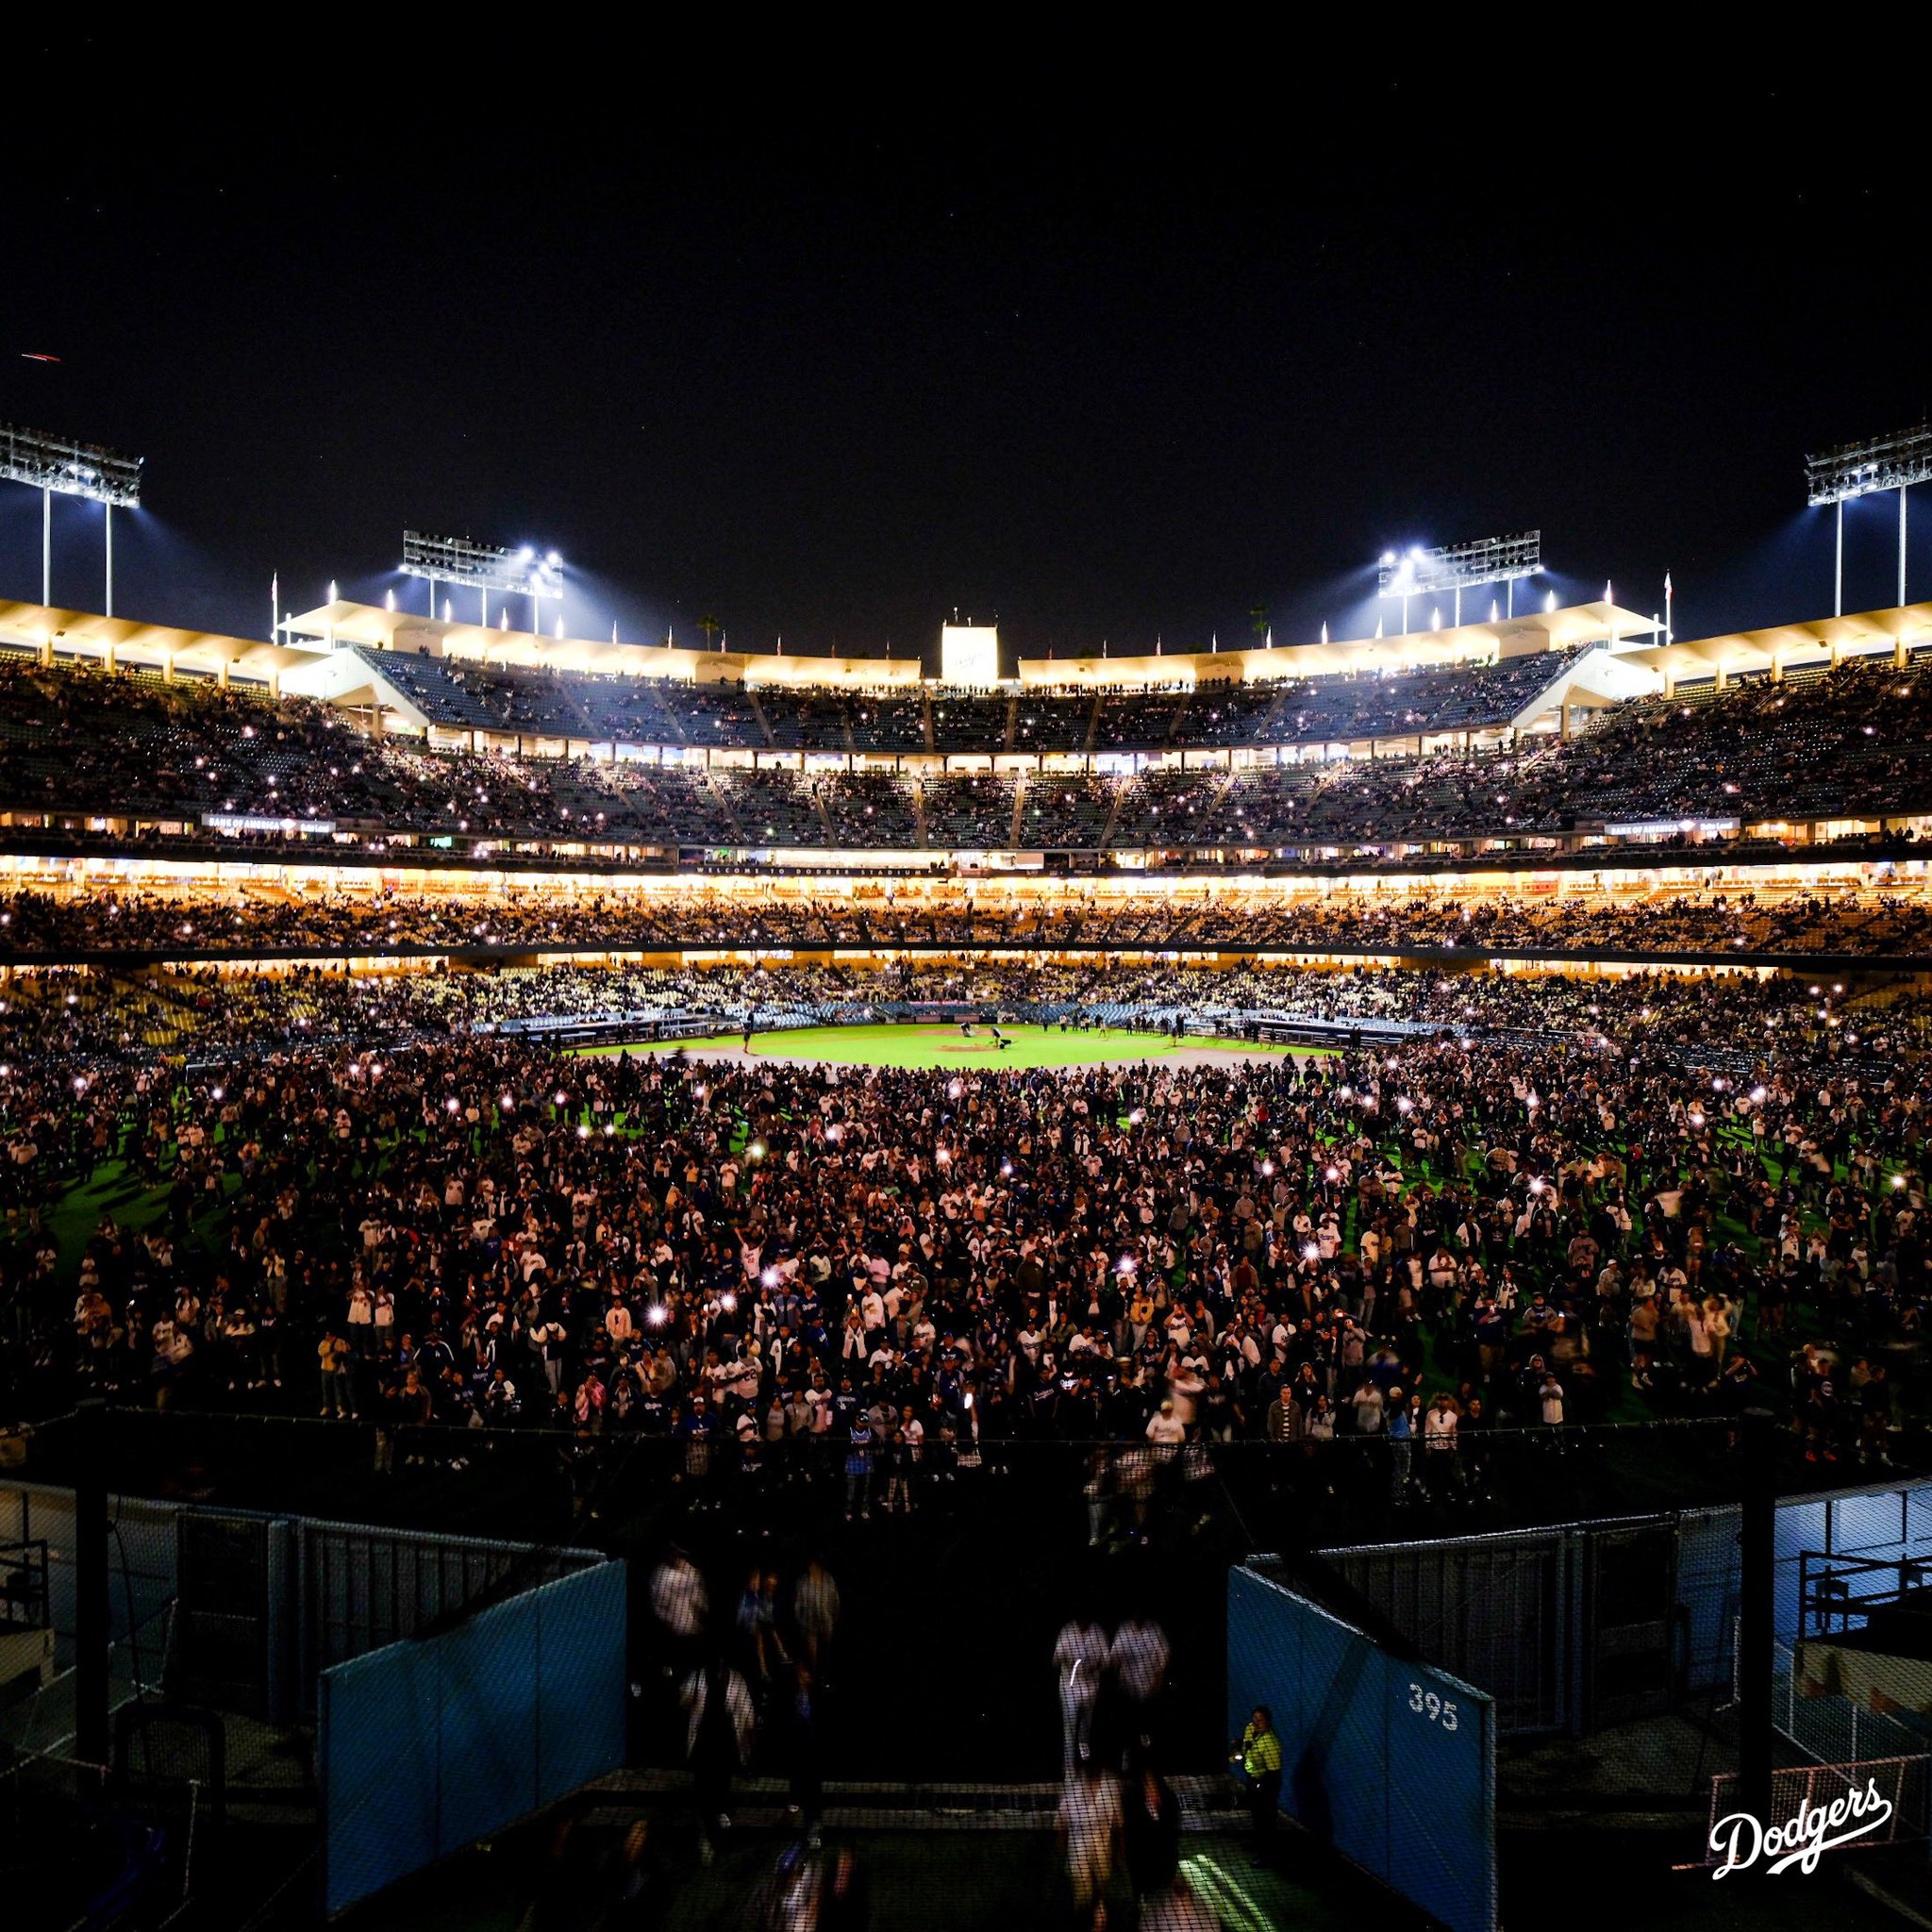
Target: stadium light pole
{"points": [[58, 466], [456, 561], [1893, 461], [1458, 567]]}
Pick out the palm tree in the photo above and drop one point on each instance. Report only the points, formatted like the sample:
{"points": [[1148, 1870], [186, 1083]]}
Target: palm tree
{"points": [[710, 626]]}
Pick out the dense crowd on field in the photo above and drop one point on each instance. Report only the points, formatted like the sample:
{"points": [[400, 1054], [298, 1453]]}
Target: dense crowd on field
{"points": [[199, 922], [880, 1274], [79, 745]]}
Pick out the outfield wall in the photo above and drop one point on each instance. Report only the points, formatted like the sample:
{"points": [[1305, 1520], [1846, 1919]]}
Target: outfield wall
{"points": [[1391, 1763]]}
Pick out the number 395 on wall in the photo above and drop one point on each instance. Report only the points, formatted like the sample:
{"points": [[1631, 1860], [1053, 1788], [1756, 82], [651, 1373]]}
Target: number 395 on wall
{"points": [[1439, 1710]]}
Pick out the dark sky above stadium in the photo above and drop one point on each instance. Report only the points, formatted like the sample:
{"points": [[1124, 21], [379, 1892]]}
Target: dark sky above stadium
{"points": [[1102, 355]]}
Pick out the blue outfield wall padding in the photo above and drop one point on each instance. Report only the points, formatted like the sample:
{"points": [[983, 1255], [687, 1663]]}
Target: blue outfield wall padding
{"points": [[427, 1745], [1391, 1763], [377, 1726], [489, 1694], [581, 1717]]}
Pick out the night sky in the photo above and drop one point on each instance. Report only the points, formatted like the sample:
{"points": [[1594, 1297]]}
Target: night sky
{"points": [[830, 360]]}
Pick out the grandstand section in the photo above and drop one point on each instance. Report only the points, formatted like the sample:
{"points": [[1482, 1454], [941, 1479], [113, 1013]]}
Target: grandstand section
{"points": [[68, 911], [417, 753]]}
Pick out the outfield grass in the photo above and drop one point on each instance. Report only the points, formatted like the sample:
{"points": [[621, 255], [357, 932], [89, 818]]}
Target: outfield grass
{"points": [[923, 1048]]}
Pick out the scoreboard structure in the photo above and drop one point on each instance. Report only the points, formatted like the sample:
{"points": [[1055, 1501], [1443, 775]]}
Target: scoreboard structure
{"points": [[1393, 1763]]}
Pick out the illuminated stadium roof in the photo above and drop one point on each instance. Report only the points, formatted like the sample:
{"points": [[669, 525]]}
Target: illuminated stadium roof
{"points": [[1542, 630], [129, 643], [347, 623], [315, 664], [1790, 646]]}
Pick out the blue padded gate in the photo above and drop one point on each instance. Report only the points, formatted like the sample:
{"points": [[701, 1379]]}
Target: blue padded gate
{"points": [[428, 1744]]}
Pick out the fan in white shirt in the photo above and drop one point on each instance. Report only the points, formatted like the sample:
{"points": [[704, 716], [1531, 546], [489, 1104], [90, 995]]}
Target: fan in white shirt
{"points": [[1080, 1655]]}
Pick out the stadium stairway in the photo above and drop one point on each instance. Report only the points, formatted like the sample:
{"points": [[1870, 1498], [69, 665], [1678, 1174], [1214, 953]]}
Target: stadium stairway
{"points": [[1219, 795], [1114, 812], [723, 796], [1177, 717]]}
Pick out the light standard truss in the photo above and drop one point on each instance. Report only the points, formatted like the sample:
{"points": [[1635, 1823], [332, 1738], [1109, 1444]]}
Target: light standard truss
{"points": [[486, 567], [1837, 477], [1458, 567], [58, 466]]}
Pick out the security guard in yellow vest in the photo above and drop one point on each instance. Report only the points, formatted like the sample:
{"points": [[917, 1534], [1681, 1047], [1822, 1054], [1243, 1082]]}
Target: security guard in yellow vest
{"points": [[1260, 1760]]}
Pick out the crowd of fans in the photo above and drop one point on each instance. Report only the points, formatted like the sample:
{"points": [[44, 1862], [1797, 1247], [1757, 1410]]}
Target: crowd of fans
{"points": [[792, 1271], [462, 694], [79, 745], [193, 921]]}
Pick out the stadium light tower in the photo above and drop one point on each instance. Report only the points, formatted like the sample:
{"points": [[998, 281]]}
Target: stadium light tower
{"points": [[1862, 469], [485, 567], [1458, 567], [58, 466]]}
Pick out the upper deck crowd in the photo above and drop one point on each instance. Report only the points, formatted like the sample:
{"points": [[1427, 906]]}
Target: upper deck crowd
{"points": [[78, 746], [97, 918]]}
